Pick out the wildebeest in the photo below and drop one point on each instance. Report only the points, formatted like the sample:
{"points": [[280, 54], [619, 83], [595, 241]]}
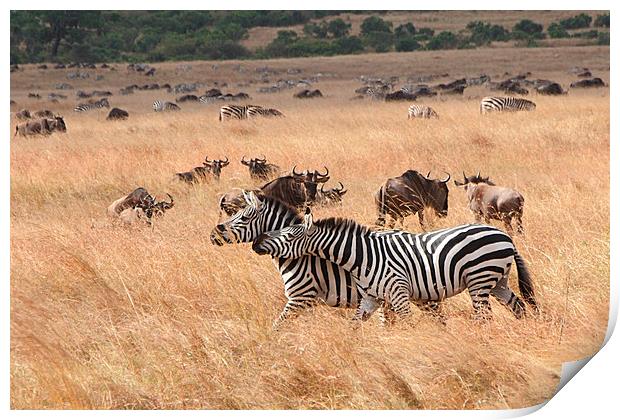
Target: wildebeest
{"points": [[588, 83], [117, 114], [23, 114], [260, 169], [297, 189], [137, 206], [234, 200], [43, 126], [308, 94], [330, 197], [45, 113], [187, 98], [551, 88], [409, 194], [488, 201], [400, 95], [209, 168]]}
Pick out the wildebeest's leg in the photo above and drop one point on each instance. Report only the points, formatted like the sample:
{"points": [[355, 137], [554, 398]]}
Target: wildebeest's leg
{"points": [[292, 308], [519, 222], [502, 292], [479, 294]]}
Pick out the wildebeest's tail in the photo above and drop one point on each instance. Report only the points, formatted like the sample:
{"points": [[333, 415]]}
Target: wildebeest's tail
{"points": [[525, 281]]}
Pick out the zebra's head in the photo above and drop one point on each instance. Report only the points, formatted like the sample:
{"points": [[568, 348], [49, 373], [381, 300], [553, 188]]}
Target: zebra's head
{"points": [[243, 226], [289, 242]]}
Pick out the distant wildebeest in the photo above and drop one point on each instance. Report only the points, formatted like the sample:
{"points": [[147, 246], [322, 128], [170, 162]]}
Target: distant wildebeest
{"points": [[117, 114], [551, 88], [45, 113], [421, 111], [160, 106], [260, 169], [138, 206], [187, 98], [209, 168], [34, 95], [43, 126], [409, 194], [488, 201], [458, 90], [308, 94], [23, 114], [588, 83], [400, 95], [491, 103], [330, 197], [452, 85]]}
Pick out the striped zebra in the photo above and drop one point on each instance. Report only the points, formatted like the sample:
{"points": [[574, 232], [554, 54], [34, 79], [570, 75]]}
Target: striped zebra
{"points": [[101, 103], [421, 111], [307, 280], [239, 112], [256, 111], [160, 106], [397, 266], [505, 103]]}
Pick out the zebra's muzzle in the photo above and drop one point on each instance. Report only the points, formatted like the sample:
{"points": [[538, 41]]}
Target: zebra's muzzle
{"points": [[257, 244]]}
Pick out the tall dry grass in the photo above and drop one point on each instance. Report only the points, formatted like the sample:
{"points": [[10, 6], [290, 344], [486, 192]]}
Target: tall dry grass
{"points": [[110, 317]]}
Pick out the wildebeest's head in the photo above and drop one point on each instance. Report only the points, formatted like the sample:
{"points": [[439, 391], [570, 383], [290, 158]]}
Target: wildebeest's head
{"points": [[474, 179], [57, 124], [215, 166], [160, 207], [311, 180], [333, 195], [440, 194]]}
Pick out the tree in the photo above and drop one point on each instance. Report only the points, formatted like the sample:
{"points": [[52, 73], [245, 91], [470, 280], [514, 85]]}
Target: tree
{"points": [[379, 41], [528, 27], [61, 24], [375, 24], [576, 22], [445, 40], [602, 20], [338, 28], [404, 30], [407, 43], [483, 33], [316, 30], [555, 30], [348, 45]]}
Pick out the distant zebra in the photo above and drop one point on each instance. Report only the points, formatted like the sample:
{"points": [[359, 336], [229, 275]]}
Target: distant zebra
{"points": [[101, 103], [397, 266], [307, 280], [421, 111], [160, 106], [254, 111], [499, 103], [238, 112]]}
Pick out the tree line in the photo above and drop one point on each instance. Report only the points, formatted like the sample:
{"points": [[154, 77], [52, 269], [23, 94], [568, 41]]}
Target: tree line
{"points": [[134, 36]]}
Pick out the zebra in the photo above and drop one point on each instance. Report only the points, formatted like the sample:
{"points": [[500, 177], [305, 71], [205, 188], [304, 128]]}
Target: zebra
{"points": [[254, 111], [397, 266], [101, 103], [505, 103], [159, 106], [421, 111], [307, 280], [239, 112]]}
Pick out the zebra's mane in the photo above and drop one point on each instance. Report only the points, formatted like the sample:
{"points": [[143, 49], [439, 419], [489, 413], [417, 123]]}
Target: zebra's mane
{"points": [[280, 205], [341, 223]]}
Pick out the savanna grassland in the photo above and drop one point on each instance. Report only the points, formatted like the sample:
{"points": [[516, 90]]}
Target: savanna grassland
{"points": [[105, 316]]}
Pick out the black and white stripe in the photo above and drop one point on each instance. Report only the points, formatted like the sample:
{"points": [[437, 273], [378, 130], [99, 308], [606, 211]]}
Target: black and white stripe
{"points": [[255, 111], [307, 280], [421, 111], [397, 266], [242, 112], [101, 103], [161, 106], [505, 103]]}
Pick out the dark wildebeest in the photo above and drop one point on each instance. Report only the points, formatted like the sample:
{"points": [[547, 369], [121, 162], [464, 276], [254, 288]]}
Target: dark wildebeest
{"points": [[117, 114], [330, 197], [234, 200], [139, 196], [311, 180], [201, 173], [187, 98], [588, 83], [409, 194], [488, 201], [24, 114], [550, 88], [308, 94], [57, 123], [46, 113], [43, 126], [137, 206], [260, 169], [400, 95], [297, 189]]}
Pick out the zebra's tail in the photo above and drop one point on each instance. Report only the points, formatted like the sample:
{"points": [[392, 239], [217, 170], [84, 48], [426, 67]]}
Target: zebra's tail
{"points": [[381, 206], [525, 281]]}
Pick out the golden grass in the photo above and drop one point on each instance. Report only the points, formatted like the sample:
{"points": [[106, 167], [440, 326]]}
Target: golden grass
{"points": [[110, 317]]}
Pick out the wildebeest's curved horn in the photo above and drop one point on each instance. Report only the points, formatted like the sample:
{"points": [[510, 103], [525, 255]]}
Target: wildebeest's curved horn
{"points": [[207, 159], [244, 162], [478, 176], [341, 187], [263, 159], [325, 174], [428, 175], [225, 162], [464, 176], [171, 199], [322, 185], [447, 179], [295, 173]]}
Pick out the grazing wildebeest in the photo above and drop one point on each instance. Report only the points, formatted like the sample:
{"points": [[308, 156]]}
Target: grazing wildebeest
{"points": [[138, 196], [43, 126], [117, 114], [260, 169], [488, 201], [550, 88], [188, 98], [400, 95], [588, 83], [46, 113], [57, 123], [145, 211], [211, 168], [308, 94], [330, 197], [409, 194], [24, 114]]}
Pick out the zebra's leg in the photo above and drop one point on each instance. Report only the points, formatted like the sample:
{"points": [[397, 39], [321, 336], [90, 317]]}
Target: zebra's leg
{"points": [[399, 300], [480, 301], [502, 292], [292, 308], [387, 315]]}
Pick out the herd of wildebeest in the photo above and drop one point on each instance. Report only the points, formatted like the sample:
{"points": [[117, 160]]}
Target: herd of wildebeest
{"points": [[411, 193]]}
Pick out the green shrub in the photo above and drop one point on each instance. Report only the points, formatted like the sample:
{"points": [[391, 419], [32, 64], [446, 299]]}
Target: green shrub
{"points": [[338, 28], [603, 38], [602, 21], [445, 40], [528, 27], [555, 30], [586, 34], [483, 33], [379, 41], [348, 45], [375, 24], [407, 43], [405, 30], [576, 22]]}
